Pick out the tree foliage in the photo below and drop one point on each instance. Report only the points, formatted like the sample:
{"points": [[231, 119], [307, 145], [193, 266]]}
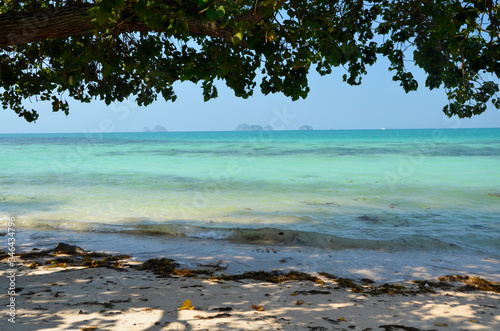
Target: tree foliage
{"points": [[52, 50]]}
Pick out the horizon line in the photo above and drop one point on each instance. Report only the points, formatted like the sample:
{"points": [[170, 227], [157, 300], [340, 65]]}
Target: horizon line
{"points": [[194, 131]]}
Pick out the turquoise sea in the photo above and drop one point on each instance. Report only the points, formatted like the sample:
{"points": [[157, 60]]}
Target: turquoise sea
{"points": [[409, 191]]}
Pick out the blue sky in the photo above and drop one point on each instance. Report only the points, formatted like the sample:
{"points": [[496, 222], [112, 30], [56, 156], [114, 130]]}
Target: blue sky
{"points": [[378, 102]]}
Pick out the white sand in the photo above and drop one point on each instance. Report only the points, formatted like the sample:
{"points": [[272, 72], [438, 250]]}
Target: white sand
{"points": [[73, 298]]}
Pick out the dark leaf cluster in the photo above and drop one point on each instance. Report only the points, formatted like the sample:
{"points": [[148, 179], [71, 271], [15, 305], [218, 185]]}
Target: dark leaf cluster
{"points": [[141, 48]]}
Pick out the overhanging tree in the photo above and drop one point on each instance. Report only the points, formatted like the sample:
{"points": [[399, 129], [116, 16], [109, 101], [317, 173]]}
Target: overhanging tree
{"points": [[112, 49]]}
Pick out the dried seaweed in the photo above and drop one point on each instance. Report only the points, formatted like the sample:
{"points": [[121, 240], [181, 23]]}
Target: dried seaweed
{"points": [[346, 282], [271, 277], [220, 315], [390, 289], [36, 254], [314, 292], [394, 327], [160, 267], [169, 268], [472, 283]]}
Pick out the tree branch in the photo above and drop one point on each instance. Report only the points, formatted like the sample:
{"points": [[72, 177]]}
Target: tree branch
{"points": [[25, 27]]}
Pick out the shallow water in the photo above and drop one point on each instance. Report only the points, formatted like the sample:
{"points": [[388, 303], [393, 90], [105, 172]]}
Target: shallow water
{"points": [[414, 191]]}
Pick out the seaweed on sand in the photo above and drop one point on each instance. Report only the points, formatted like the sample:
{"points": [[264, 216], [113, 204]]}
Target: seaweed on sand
{"points": [[472, 283], [346, 282], [169, 268], [78, 258], [160, 267], [272, 277]]}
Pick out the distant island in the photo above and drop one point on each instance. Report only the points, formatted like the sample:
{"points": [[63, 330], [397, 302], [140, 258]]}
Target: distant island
{"points": [[254, 127], [157, 128], [306, 127]]}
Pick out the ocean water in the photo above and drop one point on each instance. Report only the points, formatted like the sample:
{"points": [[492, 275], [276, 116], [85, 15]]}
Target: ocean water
{"points": [[412, 192]]}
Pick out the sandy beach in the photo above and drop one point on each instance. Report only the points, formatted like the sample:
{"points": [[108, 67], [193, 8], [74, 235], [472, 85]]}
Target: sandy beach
{"points": [[57, 290]]}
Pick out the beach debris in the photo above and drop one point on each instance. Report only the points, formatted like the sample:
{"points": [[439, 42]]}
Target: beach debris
{"points": [[169, 268], [472, 283], [220, 315], [61, 260], [271, 277], [425, 285], [63, 248], [390, 289], [258, 308], [395, 327], [346, 282], [369, 287], [36, 254], [187, 305], [310, 292], [221, 309], [160, 267], [88, 328], [342, 319], [107, 262], [299, 302], [440, 324], [82, 260], [53, 264]]}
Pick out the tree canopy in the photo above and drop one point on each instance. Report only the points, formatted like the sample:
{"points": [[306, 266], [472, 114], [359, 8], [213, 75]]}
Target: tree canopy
{"points": [[52, 50]]}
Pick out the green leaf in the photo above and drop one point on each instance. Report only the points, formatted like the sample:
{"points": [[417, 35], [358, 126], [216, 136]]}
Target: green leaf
{"points": [[221, 11], [237, 38], [212, 14]]}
